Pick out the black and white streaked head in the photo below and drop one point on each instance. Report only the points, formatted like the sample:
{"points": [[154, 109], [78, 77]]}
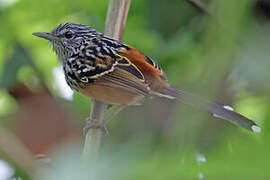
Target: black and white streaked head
{"points": [[66, 39]]}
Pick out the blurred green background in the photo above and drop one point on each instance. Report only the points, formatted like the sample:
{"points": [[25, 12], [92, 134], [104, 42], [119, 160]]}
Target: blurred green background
{"points": [[223, 56]]}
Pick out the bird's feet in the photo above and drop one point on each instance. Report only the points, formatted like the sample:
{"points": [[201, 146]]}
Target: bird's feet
{"points": [[96, 124]]}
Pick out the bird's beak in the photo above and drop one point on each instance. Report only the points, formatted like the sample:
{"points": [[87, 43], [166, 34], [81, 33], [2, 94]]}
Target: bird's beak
{"points": [[45, 35]]}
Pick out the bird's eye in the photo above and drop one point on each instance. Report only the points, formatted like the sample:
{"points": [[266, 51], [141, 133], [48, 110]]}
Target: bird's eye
{"points": [[68, 35]]}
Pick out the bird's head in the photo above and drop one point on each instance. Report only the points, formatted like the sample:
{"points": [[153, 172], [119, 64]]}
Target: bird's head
{"points": [[66, 39]]}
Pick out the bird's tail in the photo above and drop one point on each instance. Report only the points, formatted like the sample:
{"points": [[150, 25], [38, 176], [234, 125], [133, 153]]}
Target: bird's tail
{"points": [[217, 109]]}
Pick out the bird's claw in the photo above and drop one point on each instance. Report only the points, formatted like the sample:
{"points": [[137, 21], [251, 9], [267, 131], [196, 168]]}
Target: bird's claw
{"points": [[96, 124]]}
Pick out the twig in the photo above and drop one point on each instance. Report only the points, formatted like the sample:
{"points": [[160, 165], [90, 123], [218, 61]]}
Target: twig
{"points": [[114, 27], [93, 136], [116, 18], [18, 152], [199, 5]]}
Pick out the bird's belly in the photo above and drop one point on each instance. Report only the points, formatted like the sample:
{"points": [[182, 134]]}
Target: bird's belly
{"points": [[111, 95]]}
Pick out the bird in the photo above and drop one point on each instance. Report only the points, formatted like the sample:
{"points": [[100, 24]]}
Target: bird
{"points": [[110, 71]]}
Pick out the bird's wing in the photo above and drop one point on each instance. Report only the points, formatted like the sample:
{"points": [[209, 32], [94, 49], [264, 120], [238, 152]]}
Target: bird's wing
{"points": [[116, 72], [145, 64], [127, 76]]}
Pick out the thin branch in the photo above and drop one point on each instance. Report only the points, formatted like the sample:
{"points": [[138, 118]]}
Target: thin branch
{"points": [[15, 150], [199, 5], [93, 136], [116, 18], [114, 27]]}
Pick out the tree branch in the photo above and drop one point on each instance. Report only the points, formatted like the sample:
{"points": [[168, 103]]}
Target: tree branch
{"points": [[199, 5], [114, 27], [18, 152]]}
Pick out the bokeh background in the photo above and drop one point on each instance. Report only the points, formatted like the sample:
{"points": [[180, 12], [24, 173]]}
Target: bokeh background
{"points": [[223, 56]]}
